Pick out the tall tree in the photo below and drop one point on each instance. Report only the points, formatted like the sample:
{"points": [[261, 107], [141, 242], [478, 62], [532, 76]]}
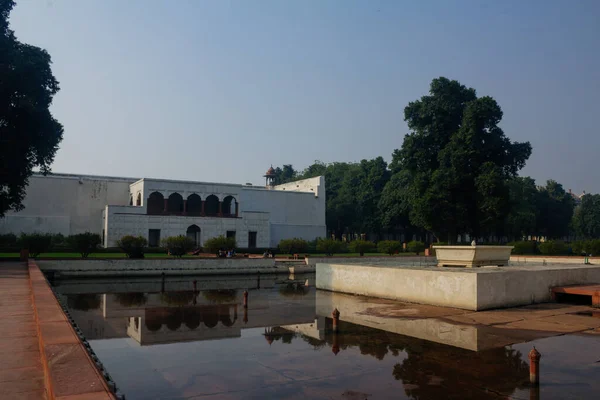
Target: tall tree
{"points": [[457, 161], [586, 219], [522, 218], [284, 175], [373, 177], [29, 135], [555, 211]]}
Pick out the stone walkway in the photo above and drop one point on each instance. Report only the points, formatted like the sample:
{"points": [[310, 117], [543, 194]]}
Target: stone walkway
{"points": [[21, 372]]}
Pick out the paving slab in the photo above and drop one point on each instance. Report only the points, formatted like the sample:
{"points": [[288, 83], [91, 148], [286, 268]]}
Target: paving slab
{"points": [[21, 369]]}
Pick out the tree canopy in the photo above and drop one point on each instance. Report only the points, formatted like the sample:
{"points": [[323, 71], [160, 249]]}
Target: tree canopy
{"points": [[456, 162], [29, 134], [586, 220]]}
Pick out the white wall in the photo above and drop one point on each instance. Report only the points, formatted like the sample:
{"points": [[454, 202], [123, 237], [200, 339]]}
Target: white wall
{"points": [[67, 204], [297, 209], [123, 221]]}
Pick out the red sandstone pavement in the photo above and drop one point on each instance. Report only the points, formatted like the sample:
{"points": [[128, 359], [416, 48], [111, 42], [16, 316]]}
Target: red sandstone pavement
{"points": [[21, 370], [41, 357]]}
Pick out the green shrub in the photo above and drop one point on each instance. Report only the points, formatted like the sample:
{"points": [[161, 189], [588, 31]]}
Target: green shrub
{"points": [[58, 241], [527, 247], [133, 246], [389, 246], [586, 247], [84, 243], [178, 246], [293, 246], [330, 246], [8, 240], [414, 246], [553, 248], [361, 247], [36, 243], [213, 245]]}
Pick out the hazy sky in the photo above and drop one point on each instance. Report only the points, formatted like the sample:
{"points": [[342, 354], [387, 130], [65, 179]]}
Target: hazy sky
{"points": [[220, 90]]}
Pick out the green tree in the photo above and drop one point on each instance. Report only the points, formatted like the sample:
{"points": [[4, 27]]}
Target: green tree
{"points": [[84, 243], [522, 218], [555, 208], [133, 246], [394, 205], [389, 247], [456, 161], [586, 218], [284, 175], [29, 135], [213, 245], [178, 246]]}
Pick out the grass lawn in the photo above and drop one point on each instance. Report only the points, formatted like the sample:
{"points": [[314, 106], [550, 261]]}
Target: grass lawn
{"points": [[164, 255], [358, 255], [93, 255]]}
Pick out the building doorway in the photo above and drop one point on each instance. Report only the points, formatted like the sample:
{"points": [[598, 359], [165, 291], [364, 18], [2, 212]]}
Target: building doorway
{"points": [[154, 237], [251, 240], [193, 232]]}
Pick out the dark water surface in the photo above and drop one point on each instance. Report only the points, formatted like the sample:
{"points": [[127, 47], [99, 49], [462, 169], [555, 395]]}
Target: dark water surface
{"points": [[169, 341]]}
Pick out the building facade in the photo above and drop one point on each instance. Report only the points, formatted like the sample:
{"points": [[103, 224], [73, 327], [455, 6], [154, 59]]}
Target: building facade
{"points": [[159, 208]]}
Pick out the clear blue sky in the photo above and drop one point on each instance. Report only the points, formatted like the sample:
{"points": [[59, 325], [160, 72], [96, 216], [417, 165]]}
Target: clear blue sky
{"points": [[220, 90]]}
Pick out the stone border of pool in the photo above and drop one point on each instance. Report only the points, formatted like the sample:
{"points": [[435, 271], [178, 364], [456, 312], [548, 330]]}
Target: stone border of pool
{"points": [[68, 368]]}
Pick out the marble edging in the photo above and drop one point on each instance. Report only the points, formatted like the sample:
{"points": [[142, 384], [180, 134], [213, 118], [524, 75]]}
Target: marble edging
{"points": [[68, 368]]}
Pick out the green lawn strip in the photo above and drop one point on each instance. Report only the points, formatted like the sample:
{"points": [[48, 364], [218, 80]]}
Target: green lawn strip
{"points": [[358, 255], [164, 255]]}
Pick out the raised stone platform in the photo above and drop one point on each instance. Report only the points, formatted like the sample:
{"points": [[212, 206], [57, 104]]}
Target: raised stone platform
{"points": [[471, 289]]}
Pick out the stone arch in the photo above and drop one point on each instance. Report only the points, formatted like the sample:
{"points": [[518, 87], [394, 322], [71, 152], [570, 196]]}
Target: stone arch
{"points": [[192, 318], [175, 203], [193, 232], [174, 320], [225, 316], [229, 206], [211, 205], [138, 200], [194, 205], [210, 317], [156, 203], [153, 324]]}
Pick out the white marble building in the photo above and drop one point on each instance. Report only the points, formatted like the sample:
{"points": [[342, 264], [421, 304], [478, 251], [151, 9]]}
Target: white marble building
{"points": [[158, 208]]}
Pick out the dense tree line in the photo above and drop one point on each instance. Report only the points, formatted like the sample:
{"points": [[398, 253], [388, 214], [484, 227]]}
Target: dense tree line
{"points": [[456, 173]]}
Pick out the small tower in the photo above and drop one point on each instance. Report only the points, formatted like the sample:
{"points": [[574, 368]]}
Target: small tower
{"points": [[269, 176]]}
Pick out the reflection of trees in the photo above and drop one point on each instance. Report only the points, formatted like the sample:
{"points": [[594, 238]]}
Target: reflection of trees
{"points": [[178, 298], [293, 290], [220, 295], [277, 333], [433, 370], [131, 299], [83, 302]]}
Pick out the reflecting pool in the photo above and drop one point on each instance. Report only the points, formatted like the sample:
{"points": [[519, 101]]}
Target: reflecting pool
{"points": [[192, 338]]}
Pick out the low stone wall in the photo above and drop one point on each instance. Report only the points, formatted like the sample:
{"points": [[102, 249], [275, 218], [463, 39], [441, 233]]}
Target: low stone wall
{"points": [[69, 371], [555, 260], [380, 260], [153, 267], [467, 288], [436, 286]]}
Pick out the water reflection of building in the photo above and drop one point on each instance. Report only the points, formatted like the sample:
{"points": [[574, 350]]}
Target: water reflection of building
{"points": [[188, 323], [153, 318]]}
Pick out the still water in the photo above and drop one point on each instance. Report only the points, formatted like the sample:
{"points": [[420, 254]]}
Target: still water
{"points": [[191, 338]]}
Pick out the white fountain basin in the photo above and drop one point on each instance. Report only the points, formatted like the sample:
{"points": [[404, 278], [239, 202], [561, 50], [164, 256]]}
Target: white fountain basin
{"points": [[472, 256]]}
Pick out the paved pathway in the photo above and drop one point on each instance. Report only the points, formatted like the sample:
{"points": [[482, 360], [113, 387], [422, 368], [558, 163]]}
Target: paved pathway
{"points": [[21, 373]]}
